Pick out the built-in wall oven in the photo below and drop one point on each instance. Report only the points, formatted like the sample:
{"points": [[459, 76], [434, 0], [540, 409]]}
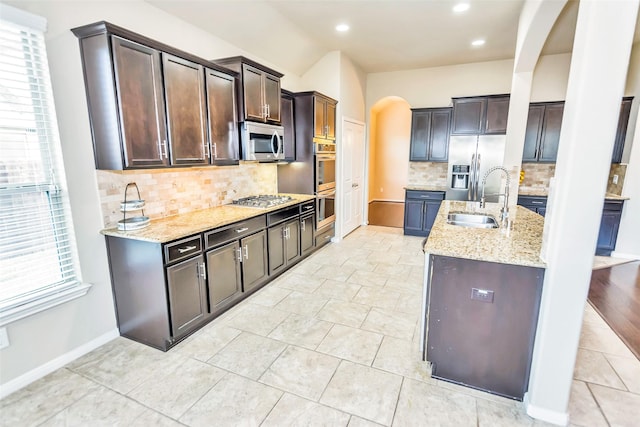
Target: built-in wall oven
{"points": [[325, 185], [325, 208]]}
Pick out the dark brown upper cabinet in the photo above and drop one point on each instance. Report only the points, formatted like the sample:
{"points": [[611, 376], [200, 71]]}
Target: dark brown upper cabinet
{"points": [[288, 123], [324, 122], [186, 111], [148, 101], [430, 134], [621, 134], [222, 118], [258, 90], [480, 115], [543, 132]]}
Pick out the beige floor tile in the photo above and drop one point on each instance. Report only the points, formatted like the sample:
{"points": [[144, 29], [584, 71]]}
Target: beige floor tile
{"points": [[361, 422], [603, 340], [361, 263], [295, 411], [404, 285], [593, 367], [335, 272], [257, 319], [363, 391], [302, 372], [233, 401], [269, 296], [367, 278], [478, 394], [302, 331], [620, 408], [172, 392], [344, 291], [100, 407], [628, 370], [300, 282], [125, 367], [377, 297], [351, 344], [305, 267], [205, 343], [410, 304], [492, 414], [392, 323], [402, 357], [422, 404], [583, 409], [248, 355], [302, 303], [593, 318], [155, 419], [396, 271], [44, 398], [344, 313]]}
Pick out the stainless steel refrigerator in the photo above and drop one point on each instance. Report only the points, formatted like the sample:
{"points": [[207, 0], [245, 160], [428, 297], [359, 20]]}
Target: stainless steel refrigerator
{"points": [[470, 156]]}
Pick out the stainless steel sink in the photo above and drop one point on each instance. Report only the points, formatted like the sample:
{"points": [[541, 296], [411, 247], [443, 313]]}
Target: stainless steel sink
{"points": [[472, 219]]}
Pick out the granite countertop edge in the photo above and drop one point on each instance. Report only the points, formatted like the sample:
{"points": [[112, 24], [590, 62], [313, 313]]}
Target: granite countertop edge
{"points": [[544, 193], [175, 227], [518, 245]]}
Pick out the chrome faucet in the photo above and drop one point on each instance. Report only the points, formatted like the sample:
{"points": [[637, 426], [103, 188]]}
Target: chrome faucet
{"points": [[505, 209]]}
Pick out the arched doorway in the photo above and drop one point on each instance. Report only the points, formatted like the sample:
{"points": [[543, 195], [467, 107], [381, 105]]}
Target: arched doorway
{"points": [[389, 136]]}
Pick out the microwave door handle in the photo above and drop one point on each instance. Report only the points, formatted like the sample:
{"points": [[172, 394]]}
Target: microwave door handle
{"points": [[280, 148]]}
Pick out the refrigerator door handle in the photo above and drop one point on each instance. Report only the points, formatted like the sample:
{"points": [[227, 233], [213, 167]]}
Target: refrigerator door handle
{"points": [[472, 176], [477, 176]]}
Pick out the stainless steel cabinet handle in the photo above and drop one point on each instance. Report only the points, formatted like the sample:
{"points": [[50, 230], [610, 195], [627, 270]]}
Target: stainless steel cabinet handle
{"points": [[203, 270], [246, 251], [187, 249], [306, 208], [242, 230], [215, 151], [303, 225], [268, 110], [239, 252], [207, 151], [164, 149]]}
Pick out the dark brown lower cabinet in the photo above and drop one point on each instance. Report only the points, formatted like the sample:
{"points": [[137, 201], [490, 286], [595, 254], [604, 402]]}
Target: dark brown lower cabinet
{"points": [[187, 295], [420, 210], [284, 245], [307, 234], [225, 278], [482, 319], [254, 260]]}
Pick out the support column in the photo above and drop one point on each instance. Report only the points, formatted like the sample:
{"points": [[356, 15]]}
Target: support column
{"points": [[600, 59]]}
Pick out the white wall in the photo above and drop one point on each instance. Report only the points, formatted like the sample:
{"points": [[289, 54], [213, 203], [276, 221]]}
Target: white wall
{"points": [[43, 340], [353, 82]]}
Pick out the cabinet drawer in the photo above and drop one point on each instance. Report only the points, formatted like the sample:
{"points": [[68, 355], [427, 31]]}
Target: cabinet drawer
{"points": [[324, 236], [537, 201], [425, 195], [613, 205], [234, 231], [182, 249], [307, 207], [282, 215]]}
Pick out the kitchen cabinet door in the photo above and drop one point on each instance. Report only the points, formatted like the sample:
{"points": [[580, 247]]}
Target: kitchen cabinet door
{"points": [[186, 111], [621, 133], [286, 115], [430, 213], [320, 113], [413, 217], [550, 138], [307, 225], [532, 133], [497, 115], [142, 114], [331, 120], [420, 132], [187, 295], [225, 278], [254, 260], [254, 104], [608, 233], [439, 135], [468, 114], [222, 119], [275, 237], [292, 240], [271, 86]]}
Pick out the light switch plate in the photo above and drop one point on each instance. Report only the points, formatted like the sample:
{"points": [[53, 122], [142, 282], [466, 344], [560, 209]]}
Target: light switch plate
{"points": [[4, 338], [482, 295], [615, 179]]}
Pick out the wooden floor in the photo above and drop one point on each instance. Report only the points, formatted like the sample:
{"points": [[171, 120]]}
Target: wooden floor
{"points": [[388, 214], [614, 292]]}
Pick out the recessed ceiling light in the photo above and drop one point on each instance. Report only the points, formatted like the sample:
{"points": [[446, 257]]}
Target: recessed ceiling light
{"points": [[478, 42], [461, 7], [342, 28]]}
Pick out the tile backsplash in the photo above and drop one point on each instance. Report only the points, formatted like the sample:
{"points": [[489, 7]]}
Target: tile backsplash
{"points": [[620, 170], [537, 176], [176, 191], [427, 173]]}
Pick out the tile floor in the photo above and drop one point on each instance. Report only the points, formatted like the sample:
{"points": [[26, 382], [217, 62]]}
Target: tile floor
{"points": [[333, 342]]}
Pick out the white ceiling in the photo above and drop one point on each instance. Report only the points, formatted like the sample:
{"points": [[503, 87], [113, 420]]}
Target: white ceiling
{"points": [[385, 35]]}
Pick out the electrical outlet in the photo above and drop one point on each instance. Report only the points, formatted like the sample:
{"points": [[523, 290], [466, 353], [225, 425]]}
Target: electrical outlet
{"points": [[4, 338], [381, 190], [615, 179]]}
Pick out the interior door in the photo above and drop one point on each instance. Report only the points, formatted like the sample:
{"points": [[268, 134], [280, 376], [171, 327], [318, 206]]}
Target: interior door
{"points": [[352, 175]]}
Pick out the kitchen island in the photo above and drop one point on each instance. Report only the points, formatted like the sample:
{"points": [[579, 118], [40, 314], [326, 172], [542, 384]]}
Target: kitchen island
{"points": [[481, 299]]}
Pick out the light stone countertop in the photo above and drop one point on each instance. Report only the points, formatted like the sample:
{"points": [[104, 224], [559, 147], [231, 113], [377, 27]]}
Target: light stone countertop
{"points": [[175, 227], [426, 187], [544, 193], [518, 245]]}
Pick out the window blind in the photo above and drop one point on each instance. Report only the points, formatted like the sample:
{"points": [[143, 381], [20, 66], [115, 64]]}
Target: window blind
{"points": [[37, 246]]}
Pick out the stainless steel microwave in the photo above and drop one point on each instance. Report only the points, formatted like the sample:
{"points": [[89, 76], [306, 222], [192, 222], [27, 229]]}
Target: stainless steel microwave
{"points": [[262, 142]]}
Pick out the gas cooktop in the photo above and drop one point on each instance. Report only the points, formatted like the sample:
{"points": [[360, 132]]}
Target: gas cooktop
{"points": [[263, 201]]}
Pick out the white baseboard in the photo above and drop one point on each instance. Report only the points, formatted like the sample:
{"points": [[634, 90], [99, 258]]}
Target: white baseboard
{"points": [[57, 363], [553, 417], [616, 254]]}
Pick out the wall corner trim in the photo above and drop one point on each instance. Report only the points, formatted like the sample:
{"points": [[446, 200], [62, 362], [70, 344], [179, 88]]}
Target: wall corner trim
{"points": [[57, 363], [543, 414]]}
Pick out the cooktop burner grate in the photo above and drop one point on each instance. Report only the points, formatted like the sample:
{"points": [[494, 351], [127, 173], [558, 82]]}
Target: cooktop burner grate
{"points": [[263, 201]]}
